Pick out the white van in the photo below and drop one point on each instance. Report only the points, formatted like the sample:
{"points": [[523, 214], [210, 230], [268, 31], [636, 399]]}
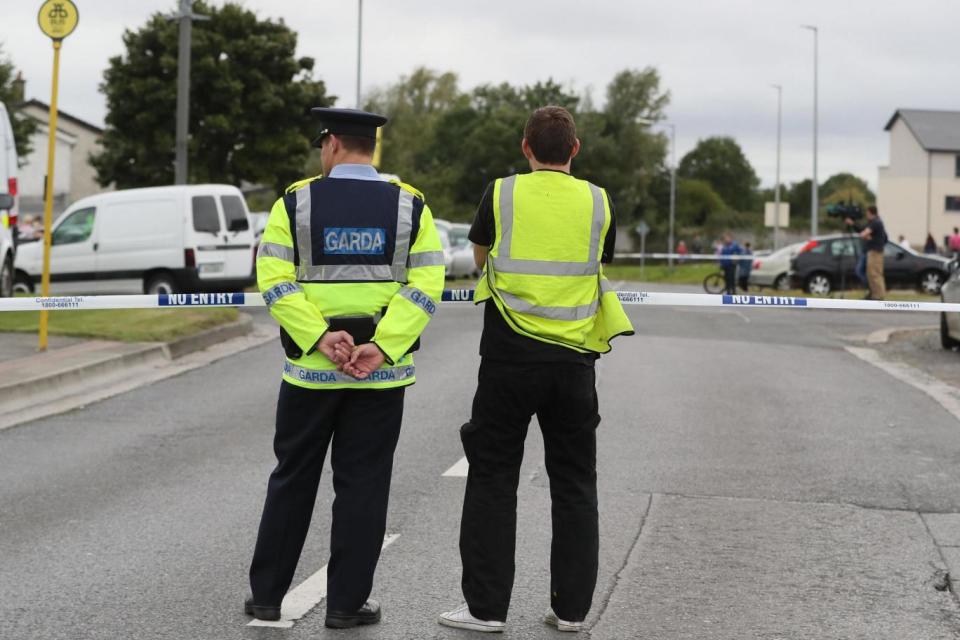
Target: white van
{"points": [[176, 239], [8, 208]]}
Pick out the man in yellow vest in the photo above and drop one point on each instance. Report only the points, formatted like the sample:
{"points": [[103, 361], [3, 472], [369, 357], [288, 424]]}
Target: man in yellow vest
{"points": [[549, 313], [351, 267]]}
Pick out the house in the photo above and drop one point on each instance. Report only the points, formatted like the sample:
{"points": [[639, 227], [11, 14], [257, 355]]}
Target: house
{"points": [[918, 192]]}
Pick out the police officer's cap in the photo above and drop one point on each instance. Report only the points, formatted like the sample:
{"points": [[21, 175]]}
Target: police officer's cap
{"points": [[347, 122]]}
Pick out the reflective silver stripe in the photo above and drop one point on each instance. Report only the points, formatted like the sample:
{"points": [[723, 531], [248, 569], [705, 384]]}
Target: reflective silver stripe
{"points": [[401, 247], [581, 312], [545, 267], [335, 272], [332, 376], [606, 287], [273, 250], [506, 215], [304, 239], [426, 259], [274, 293], [419, 298], [599, 217]]}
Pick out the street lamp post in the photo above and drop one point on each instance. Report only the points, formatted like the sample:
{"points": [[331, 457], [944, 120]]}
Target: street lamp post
{"points": [[776, 188], [814, 188], [359, 47], [186, 16]]}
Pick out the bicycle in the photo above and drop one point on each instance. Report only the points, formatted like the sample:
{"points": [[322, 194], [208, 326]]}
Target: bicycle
{"points": [[714, 283]]}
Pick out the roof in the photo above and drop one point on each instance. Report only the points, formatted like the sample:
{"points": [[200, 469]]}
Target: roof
{"points": [[934, 130], [62, 114]]}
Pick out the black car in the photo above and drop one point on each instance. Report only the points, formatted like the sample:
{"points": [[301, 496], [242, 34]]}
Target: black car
{"points": [[829, 263]]}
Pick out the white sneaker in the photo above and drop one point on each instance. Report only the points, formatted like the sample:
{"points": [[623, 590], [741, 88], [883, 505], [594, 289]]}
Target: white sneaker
{"points": [[562, 625], [461, 618]]}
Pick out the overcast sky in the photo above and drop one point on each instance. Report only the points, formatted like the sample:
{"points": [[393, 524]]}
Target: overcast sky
{"points": [[718, 59]]}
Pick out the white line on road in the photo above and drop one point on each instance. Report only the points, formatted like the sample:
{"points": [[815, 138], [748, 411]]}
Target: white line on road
{"points": [[458, 470], [946, 395], [306, 596]]}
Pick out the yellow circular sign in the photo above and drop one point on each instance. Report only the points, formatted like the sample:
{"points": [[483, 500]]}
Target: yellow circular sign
{"points": [[58, 18]]}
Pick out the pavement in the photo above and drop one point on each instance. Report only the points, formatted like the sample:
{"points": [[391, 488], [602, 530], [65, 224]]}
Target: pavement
{"points": [[757, 480]]}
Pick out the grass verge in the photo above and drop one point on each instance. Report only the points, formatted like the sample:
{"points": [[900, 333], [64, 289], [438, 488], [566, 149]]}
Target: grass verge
{"points": [[680, 274], [125, 325]]}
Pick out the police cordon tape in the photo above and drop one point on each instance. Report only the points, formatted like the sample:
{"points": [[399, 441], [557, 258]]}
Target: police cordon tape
{"points": [[686, 256], [653, 299]]}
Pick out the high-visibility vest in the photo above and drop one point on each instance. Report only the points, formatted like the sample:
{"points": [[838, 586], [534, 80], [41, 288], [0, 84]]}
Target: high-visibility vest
{"points": [[543, 271], [339, 247]]}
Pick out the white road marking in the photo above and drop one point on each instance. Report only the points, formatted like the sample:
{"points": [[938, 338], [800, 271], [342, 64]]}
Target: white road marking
{"points": [[306, 596], [947, 396], [745, 318], [458, 470]]}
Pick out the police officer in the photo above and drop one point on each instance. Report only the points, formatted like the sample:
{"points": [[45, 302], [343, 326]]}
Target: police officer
{"points": [[549, 313], [351, 267]]}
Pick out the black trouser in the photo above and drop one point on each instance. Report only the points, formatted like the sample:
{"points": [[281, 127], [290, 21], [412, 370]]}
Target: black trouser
{"points": [[563, 396], [365, 426], [730, 278]]}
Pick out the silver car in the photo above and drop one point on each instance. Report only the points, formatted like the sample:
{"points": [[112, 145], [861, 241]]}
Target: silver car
{"points": [[950, 321], [772, 270]]}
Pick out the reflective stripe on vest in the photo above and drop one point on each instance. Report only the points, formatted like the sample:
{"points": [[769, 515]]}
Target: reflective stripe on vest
{"points": [[419, 298], [332, 376], [426, 259], [307, 271], [274, 250], [274, 293], [503, 263]]}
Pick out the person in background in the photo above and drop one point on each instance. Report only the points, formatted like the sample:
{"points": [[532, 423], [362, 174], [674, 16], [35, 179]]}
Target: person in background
{"points": [[743, 269], [682, 250], [729, 265], [953, 243], [902, 241], [930, 246], [696, 245], [874, 238]]}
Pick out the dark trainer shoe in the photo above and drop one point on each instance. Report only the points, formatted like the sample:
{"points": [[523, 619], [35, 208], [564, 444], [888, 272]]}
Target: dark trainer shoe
{"points": [[260, 612], [369, 613]]}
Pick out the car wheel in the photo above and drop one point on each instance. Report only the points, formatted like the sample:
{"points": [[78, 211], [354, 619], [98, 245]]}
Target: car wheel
{"points": [[931, 281], [160, 283], [6, 278], [945, 340], [22, 284], [819, 284], [782, 283]]}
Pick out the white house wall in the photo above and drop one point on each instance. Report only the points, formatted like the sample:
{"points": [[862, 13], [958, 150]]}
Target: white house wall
{"points": [[902, 187]]}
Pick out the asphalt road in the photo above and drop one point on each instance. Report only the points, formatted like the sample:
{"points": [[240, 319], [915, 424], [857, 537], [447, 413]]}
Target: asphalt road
{"points": [[757, 481]]}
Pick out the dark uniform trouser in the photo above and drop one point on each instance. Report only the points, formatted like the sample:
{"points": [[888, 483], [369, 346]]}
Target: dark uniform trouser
{"points": [[730, 278], [563, 397], [365, 426]]}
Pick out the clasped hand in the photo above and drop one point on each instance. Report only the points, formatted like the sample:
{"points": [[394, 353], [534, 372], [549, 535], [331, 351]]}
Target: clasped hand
{"points": [[357, 361]]}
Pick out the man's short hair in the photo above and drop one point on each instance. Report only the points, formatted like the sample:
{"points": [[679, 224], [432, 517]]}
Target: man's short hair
{"points": [[359, 144], [872, 209], [551, 134]]}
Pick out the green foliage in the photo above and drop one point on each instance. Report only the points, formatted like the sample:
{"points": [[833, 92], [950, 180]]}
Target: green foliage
{"points": [[451, 143], [843, 185], [720, 162], [249, 103], [23, 127]]}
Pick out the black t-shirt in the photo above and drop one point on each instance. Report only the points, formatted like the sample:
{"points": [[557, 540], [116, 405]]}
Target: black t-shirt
{"points": [[498, 341], [878, 237]]}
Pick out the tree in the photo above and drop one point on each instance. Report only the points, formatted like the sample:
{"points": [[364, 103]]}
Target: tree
{"points": [[249, 111], [720, 162], [23, 127], [839, 183]]}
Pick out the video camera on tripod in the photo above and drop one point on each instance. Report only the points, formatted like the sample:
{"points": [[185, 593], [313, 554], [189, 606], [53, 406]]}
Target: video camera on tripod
{"points": [[844, 210]]}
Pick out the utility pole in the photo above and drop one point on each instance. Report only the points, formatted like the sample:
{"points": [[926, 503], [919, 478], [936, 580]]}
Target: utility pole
{"points": [[185, 16], [359, 48], [776, 188], [815, 187]]}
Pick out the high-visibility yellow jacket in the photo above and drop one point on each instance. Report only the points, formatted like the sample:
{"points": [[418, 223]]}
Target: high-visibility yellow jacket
{"points": [[337, 247], [543, 270]]}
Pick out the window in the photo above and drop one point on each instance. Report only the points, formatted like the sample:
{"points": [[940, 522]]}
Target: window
{"points": [[234, 213], [205, 216], [843, 248], [953, 203], [819, 248], [892, 250], [77, 227]]}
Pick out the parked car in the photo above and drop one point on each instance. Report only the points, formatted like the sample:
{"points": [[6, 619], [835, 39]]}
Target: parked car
{"points": [[773, 270], [828, 263], [8, 207], [462, 263], [155, 240], [950, 322], [443, 230]]}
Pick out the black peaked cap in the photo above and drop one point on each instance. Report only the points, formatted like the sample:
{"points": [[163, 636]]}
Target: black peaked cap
{"points": [[347, 122]]}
